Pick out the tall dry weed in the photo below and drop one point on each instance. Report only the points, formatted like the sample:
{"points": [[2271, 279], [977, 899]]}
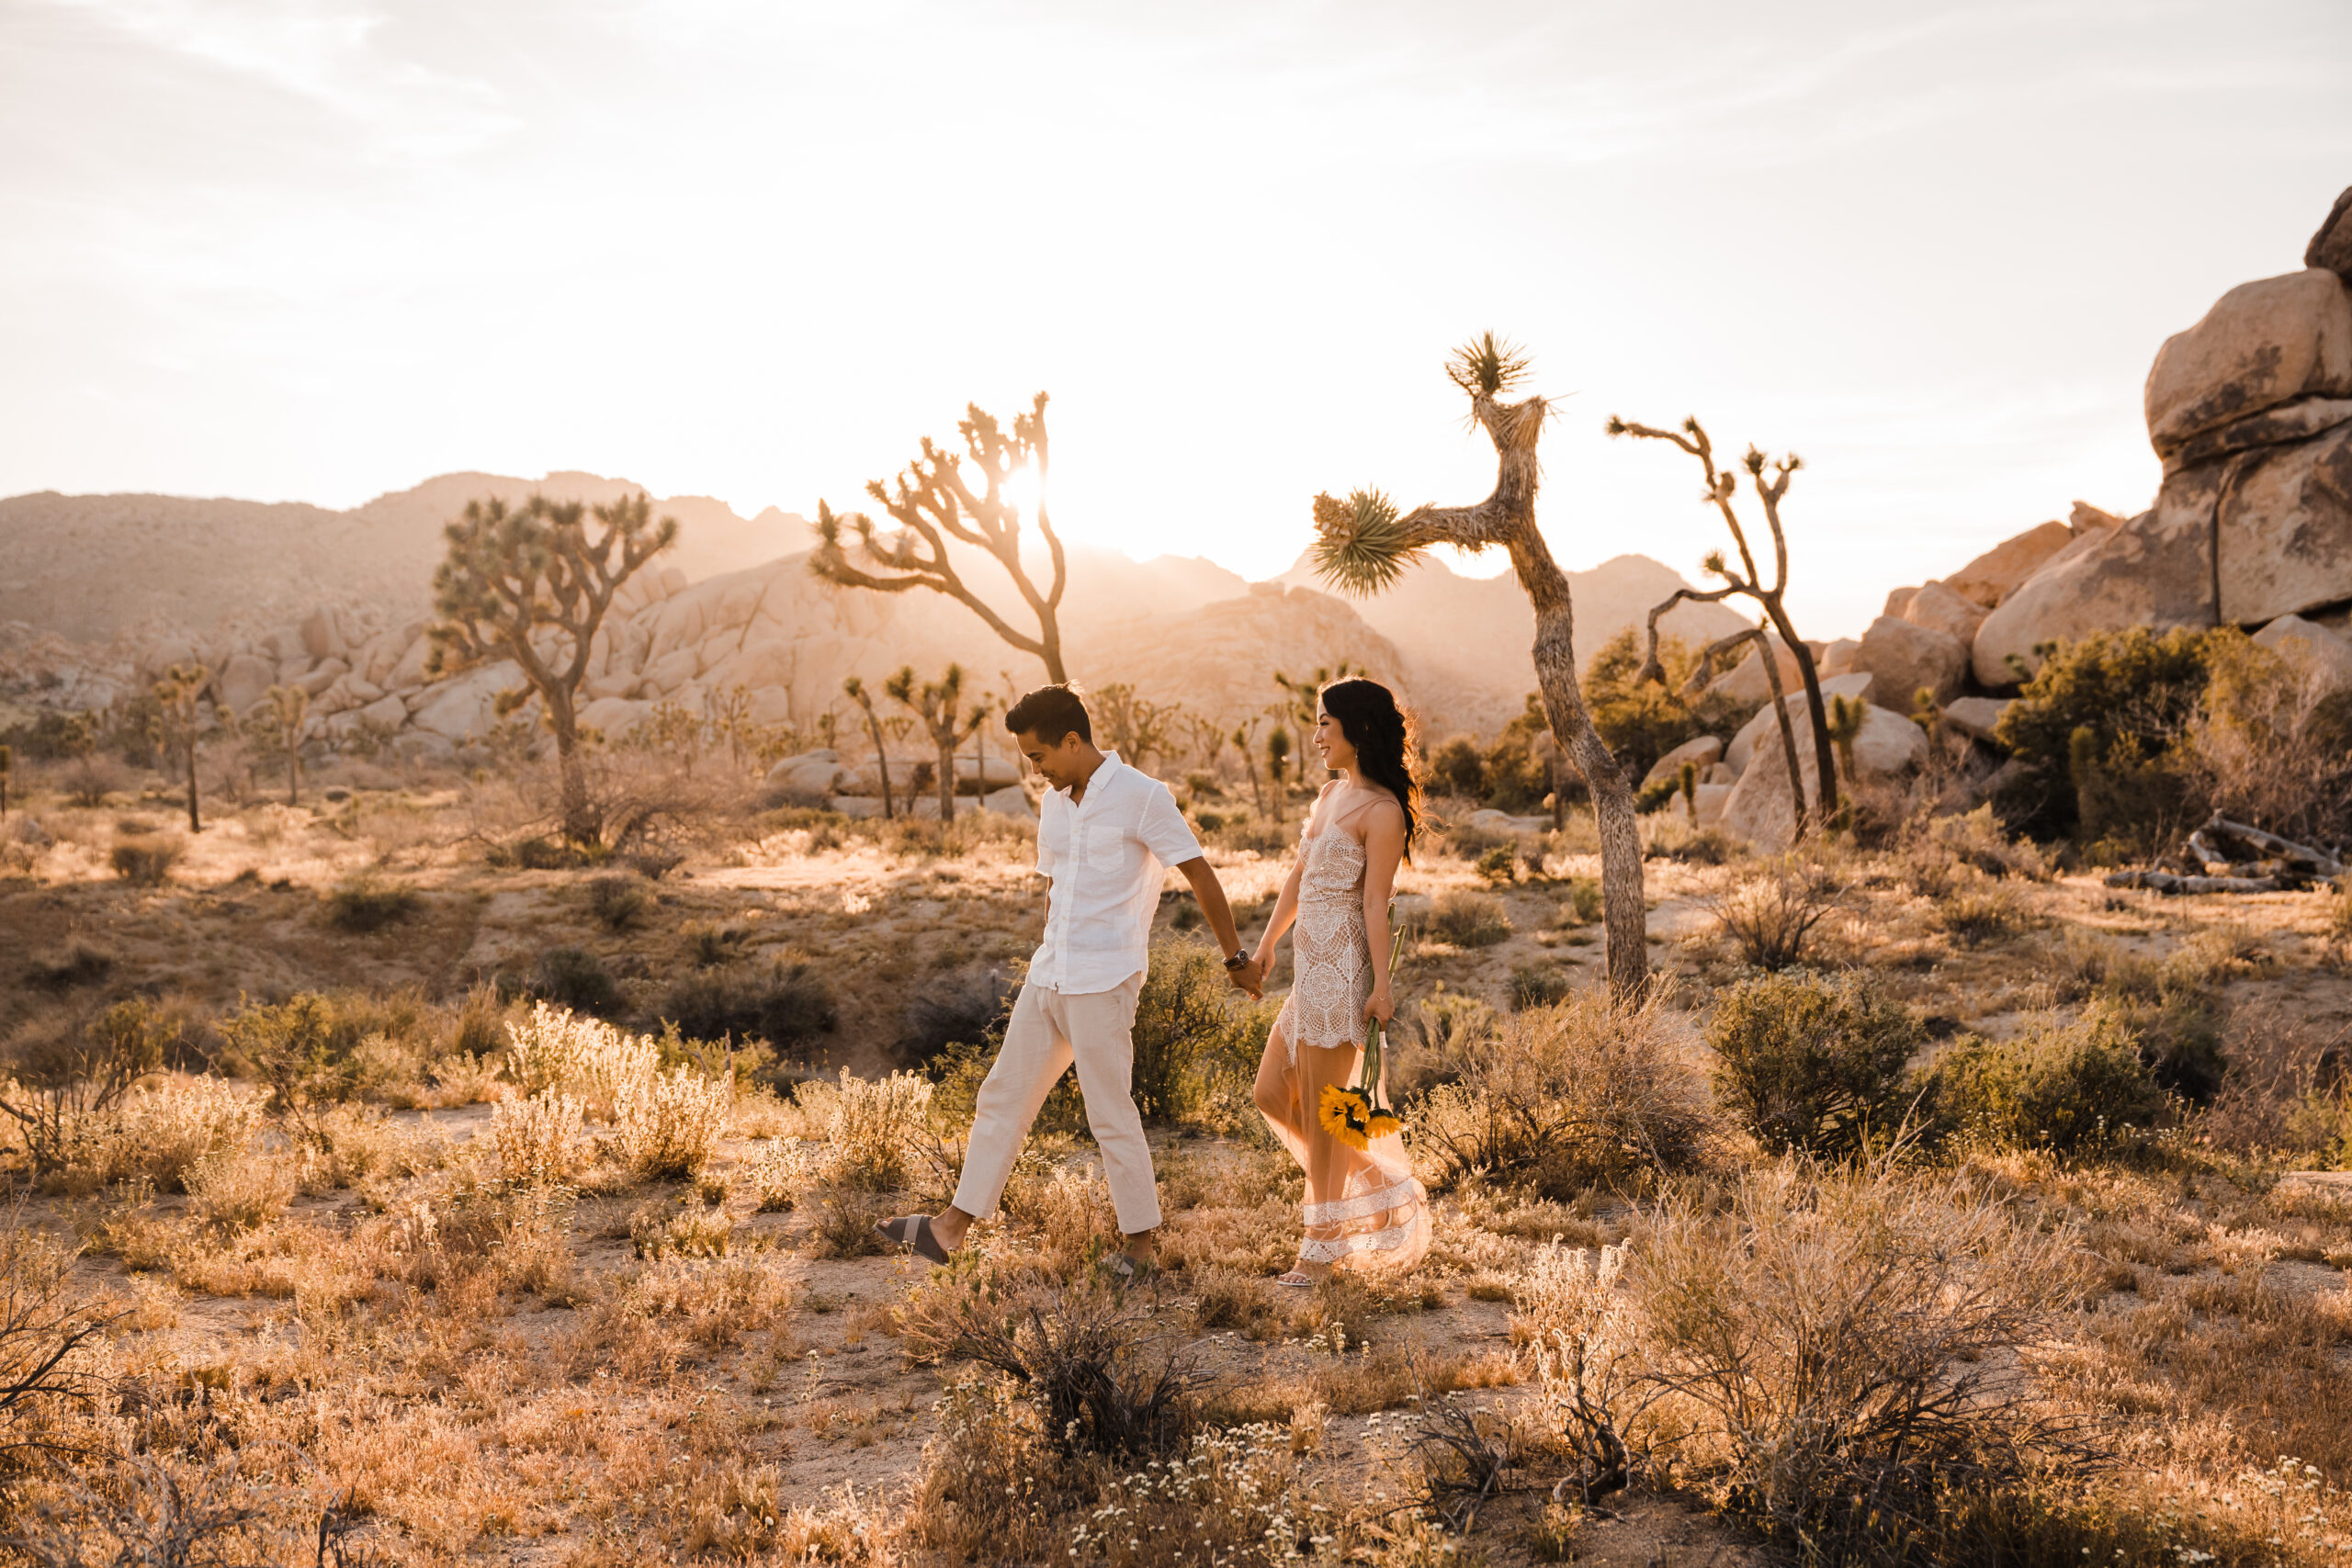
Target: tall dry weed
{"points": [[553, 1048], [537, 1139], [670, 1125]]}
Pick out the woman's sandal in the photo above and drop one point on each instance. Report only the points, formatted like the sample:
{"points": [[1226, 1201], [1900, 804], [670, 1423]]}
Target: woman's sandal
{"points": [[1298, 1280], [914, 1231]]}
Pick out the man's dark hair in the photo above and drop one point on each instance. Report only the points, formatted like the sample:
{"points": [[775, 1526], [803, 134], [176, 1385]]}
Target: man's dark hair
{"points": [[1049, 713]]}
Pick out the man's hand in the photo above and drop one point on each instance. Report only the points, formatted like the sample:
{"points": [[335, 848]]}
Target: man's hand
{"points": [[1248, 977]]}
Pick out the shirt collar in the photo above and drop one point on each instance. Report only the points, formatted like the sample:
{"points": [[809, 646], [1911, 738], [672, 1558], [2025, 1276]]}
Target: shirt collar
{"points": [[1100, 776]]}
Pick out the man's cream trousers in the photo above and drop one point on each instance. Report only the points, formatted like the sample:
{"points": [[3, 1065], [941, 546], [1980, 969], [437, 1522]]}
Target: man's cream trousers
{"points": [[1046, 1032]]}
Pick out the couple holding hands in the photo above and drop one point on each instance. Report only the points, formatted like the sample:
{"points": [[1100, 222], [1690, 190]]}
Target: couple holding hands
{"points": [[1105, 833]]}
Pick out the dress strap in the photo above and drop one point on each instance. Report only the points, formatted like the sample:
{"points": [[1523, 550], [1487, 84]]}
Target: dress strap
{"points": [[1357, 810]]}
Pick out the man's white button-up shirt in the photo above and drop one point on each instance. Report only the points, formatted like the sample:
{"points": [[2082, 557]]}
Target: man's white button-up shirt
{"points": [[1105, 856]]}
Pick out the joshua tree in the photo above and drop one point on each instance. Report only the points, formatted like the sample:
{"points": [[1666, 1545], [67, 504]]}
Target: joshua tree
{"points": [[1245, 739], [934, 703], [933, 503], [1277, 761], [530, 584], [1748, 582], [180, 709], [855, 689], [1135, 727], [1845, 724], [1300, 697], [1704, 671], [1689, 783], [283, 717], [1362, 544], [7, 761]]}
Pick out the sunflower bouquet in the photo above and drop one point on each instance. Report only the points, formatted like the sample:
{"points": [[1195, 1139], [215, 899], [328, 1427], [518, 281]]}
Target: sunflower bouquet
{"points": [[1355, 1114]]}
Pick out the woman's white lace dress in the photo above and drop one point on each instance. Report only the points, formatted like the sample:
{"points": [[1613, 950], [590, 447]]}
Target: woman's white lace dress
{"points": [[1365, 1205]]}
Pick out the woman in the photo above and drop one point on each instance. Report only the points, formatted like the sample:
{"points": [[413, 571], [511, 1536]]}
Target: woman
{"points": [[1362, 1204]]}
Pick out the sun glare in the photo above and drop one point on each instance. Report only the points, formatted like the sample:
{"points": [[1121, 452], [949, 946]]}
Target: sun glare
{"points": [[1022, 489]]}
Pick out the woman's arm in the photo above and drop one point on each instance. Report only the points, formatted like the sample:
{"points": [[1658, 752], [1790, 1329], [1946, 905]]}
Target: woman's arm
{"points": [[1383, 850]]}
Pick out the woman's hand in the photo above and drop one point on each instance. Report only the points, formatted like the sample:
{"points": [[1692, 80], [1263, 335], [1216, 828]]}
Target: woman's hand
{"points": [[1380, 1004]]}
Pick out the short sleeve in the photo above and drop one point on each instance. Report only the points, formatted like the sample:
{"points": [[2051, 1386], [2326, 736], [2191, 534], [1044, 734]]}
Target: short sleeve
{"points": [[1045, 840], [1163, 829]]}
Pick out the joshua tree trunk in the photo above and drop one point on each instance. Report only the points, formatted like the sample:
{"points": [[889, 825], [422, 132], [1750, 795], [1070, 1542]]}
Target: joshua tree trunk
{"points": [[579, 823], [187, 755], [1363, 545], [857, 694], [947, 780], [1705, 671]]}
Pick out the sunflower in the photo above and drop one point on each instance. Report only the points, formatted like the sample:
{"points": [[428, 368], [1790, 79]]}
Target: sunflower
{"points": [[1383, 1124], [1347, 1113]]}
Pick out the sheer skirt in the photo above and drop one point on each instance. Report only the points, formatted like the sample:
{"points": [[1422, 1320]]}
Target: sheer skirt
{"points": [[1364, 1205]]}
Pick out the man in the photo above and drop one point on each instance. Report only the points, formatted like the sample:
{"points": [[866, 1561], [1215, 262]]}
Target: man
{"points": [[1104, 831]]}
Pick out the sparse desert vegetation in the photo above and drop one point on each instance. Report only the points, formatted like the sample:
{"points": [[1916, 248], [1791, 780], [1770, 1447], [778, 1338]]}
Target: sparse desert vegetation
{"points": [[1878, 1234]]}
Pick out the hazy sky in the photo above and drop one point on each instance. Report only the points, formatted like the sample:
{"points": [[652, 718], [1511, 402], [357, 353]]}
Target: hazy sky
{"points": [[320, 250]]}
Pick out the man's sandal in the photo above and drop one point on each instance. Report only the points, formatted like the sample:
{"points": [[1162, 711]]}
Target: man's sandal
{"points": [[914, 1231]]}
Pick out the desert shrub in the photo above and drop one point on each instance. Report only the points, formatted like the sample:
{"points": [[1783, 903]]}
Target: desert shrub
{"points": [[777, 1178], [1467, 918], [679, 1230], [236, 1192], [1455, 768], [1810, 1063], [49, 1366], [2287, 1088], [576, 979], [2066, 1087], [537, 1139], [875, 1130], [1976, 912], [2270, 741], [786, 1005], [518, 1236], [1108, 1379], [1582, 906], [552, 1049], [1499, 866], [670, 1125], [81, 963], [619, 903], [302, 1048], [708, 945], [1933, 846], [2096, 729], [1559, 1098], [1538, 985], [1670, 835], [1833, 1347], [1770, 915], [967, 1009], [144, 862], [1197, 1040], [370, 902], [163, 1131], [346, 1145], [2171, 1011]]}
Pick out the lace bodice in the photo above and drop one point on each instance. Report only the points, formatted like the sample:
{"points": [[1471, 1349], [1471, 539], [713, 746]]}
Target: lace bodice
{"points": [[1330, 956]]}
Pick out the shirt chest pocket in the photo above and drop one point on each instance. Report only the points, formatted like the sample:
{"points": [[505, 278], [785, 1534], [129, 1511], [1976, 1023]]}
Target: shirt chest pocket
{"points": [[1105, 848]]}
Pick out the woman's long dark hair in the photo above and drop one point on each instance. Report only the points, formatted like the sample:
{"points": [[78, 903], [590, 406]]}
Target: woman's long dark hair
{"points": [[1382, 734]]}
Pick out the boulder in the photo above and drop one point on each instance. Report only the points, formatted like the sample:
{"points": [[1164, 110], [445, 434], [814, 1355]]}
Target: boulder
{"points": [[1745, 682], [1993, 575], [1859, 683], [408, 669], [158, 658], [1759, 810], [1710, 802], [1938, 608], [2285, 521], [1897, 601], [1494, 821], [466, 705], [384, 713], [1722, 774], [613, 716], [2331, 247], [322, 635], [245, 680], [1837, 659], [1975, 716], [2327, 654], [1011, 801], [2155, 570], [808, 773], [2263, 344], [670, 674], [1904, 657], [1705, 753], [2087, 519]]}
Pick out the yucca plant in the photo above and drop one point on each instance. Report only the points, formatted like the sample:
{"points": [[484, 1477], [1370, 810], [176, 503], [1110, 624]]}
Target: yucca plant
{"points": [[1363, 546]]}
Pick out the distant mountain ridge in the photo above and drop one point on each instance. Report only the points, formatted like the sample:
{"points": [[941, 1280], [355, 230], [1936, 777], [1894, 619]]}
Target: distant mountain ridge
{"points": [[128, 573]]}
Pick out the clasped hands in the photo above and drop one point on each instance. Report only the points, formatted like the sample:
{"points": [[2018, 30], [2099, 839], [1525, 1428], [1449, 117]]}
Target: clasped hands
{"points": [[1250, 977]]}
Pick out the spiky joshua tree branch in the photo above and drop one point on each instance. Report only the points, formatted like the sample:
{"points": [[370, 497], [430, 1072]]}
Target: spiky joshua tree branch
{"points": [[1362, 544], [1748, 581], [932, 502], [935, 702]]}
